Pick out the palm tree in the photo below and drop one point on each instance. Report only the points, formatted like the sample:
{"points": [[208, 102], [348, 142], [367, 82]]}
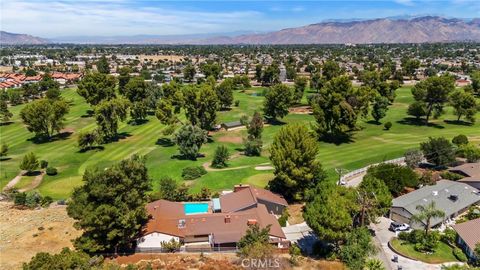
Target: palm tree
{"points": [[374, 264], [426, 214]]}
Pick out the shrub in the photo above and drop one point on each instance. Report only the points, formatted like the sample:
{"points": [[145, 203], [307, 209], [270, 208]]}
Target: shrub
{"points": [[220, 157], [19, 198], [51, 171], [190, 173], [451, 176], [458, 253], [171, 246], [449, 236], [460, 140], [282, 220], [404, 236], [237, 103], [46, 201], [253, 147], [387, 125], [469, 151], [43, 164]]}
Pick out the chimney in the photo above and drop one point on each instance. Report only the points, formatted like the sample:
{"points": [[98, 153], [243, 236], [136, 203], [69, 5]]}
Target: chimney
{"points": [[251, 222], [227, 219], [240, 187]]}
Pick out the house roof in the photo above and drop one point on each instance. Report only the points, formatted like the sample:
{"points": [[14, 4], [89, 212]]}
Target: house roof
{"points": [[439, 193], [469, 231], [232, 124], [468, 169], [247, 196]]}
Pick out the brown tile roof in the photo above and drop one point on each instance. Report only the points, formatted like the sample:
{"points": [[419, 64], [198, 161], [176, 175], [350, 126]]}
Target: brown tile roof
{"points": [[267, 195], [469, 231], [247, 196], [468, 169]]}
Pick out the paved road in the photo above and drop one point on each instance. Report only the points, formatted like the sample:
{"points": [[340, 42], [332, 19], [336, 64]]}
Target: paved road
{"points": [[383, 235]]}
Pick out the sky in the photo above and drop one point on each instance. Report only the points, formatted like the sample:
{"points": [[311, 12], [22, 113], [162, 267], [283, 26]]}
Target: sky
{"points": [[52, 18]]}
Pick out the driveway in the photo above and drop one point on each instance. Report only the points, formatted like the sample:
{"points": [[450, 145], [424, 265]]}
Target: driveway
{"points": [[383, 235]]}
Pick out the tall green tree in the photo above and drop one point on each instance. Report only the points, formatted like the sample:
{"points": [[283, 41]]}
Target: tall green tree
{"points": [[476, 82], [102, 65], [95, 87], [110, 207], [136, 92], [201, 105], [293, 154], [374, 199], [189, 139], [189, 72], [107, 115], [44, 117], [301, 84], [379, 108], [434, 92], [357, 248], [3, 150], [66, 259], [123, 78], [255, 243], [5, 114], [277, 101], [438, 151], [331, 69], [418, 109], [396, 177], [220, 157], [224, 93], [211, 69], [464, 104], [29, 163]]}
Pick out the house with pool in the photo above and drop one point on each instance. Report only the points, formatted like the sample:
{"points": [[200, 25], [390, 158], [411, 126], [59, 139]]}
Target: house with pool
{"points": [[214, 225]]}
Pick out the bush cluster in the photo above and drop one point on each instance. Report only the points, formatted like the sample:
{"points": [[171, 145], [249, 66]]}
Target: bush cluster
{"points": [[191, 173], [31, 200]]}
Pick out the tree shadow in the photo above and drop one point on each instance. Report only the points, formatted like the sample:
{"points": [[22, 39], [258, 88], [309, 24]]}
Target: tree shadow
{"points": [[225, 109], [275, 122], [458, 122], [337, 139], [88, 113], [165, 142], [137, 122], [418, 122], [183, 157], [97, 147], [34, 173], [373, 122], [57, 137], [6, 123], [5, 158], [151, 113]]}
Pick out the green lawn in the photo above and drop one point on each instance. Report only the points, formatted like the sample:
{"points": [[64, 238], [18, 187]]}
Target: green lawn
{"points": [[370, 144], [442, 254]]}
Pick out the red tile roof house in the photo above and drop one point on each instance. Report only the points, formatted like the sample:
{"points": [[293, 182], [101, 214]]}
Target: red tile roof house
{"points": [[218, 225], [468, 236]]}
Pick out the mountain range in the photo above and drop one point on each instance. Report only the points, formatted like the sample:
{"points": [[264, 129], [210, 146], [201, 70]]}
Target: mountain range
{"points": [[387, 30]]}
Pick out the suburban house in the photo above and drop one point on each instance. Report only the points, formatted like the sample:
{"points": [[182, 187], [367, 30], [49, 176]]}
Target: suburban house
{"points": [[214, 225], [232, 125], [451, 197], [468, 236], [471, 173]]}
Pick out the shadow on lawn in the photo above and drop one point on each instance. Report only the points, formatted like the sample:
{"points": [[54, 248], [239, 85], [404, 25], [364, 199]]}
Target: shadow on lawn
{"points": [[458, 123], [165, 142], [6, 123], [418, 122], [88, 113], [57, 137], [98, 147]]}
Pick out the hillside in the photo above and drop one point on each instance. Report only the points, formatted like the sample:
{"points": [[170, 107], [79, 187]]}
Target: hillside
{"points": [[20, 39], [416, 30]]}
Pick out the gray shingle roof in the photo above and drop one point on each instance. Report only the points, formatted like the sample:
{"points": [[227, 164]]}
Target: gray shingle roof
{"points": [[440, 193]]}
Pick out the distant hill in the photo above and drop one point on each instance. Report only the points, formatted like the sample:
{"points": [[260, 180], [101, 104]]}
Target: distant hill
{"points": [[20, 39], [415, 30]]}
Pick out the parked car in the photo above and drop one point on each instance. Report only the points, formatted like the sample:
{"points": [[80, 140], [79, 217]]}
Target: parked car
{"points": [[399, 227]]}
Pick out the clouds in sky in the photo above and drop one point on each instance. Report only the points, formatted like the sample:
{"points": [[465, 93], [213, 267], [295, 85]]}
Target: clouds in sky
{"points": [[55, 18]]}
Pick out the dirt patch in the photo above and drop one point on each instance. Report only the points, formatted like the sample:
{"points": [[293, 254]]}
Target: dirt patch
{"points": [[231, 139], [35, 183], [23, 233], [296, 213], [301, 110], [14, 181]]}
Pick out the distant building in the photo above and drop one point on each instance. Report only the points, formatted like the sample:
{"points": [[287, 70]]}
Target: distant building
{"points": [[451, 197]]}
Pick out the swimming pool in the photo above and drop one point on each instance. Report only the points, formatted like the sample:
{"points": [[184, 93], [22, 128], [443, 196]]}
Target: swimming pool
{"points": [[195, 208]]}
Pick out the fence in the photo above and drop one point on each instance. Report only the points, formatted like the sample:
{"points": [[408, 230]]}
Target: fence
{"points": [[357, 172], [188, 249]]}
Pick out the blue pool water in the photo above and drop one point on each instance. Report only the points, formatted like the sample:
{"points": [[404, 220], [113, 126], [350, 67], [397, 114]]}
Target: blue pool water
{"points": [[195, 208]]}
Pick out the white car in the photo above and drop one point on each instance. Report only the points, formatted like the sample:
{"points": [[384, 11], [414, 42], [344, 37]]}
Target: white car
{"points": [[399, 227]]}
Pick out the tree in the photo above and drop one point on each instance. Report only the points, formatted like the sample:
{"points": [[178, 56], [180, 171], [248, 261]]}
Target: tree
{"points": [[96, 87], [460, 140], [374, 199], [438, 151], [66, 259], [358, 246], [255, 243], [168, 188], [329, 211], [380, 108], [123, 79], [396, 177], [3, 150], [374, 264], [44, 117], [138, 111], [110, 207], [271, 75], [255, 127], [224, 93], [189, 72], [476, 82], [136, 89], [201, 105], [434, 92], [410, 66], [464, 104], [333, 113], [331, 69], [277, 101], [86, 140], [300, 86], [103, 66], [211, 69], [253, 147], [5, 114], [425, 215], [189, 140], [418, 109], [220, 157], [107, 115], [29, 163], [293, 154], [413, 157], [469, 151], [53, 94]]}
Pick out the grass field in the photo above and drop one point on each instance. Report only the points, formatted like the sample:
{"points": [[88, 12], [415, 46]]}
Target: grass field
{"points": [[442, 254], [370, 144]]}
